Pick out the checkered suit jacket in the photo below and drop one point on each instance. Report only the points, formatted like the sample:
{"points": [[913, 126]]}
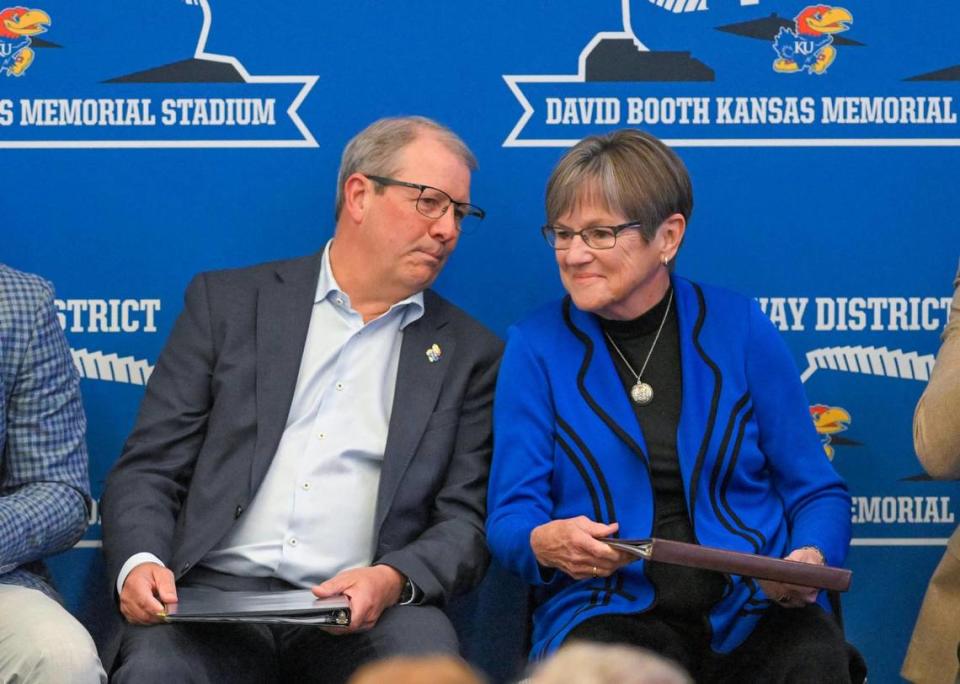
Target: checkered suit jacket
{"points": [[44, 488]]}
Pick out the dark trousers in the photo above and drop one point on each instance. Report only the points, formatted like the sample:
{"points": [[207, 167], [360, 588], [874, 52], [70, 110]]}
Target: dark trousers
{"points": [[788, 646], [260, 654]]}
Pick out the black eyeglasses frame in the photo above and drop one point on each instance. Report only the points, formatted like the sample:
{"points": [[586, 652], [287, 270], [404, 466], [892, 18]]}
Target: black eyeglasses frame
{"points": [[465, 209], [549, 233]]}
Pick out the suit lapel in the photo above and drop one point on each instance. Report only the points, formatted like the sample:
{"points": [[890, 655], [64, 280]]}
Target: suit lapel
{"points": [[284, 307], [418, 387]]}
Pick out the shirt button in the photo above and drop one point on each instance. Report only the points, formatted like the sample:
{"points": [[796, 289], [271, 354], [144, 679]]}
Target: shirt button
{"points": [[339, 386], [321, 435], [306, 486], [340, 300], [293, 541]]}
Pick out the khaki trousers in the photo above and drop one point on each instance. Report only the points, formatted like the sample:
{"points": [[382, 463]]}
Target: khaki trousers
{"points": [[932, 654], [40, 642]]}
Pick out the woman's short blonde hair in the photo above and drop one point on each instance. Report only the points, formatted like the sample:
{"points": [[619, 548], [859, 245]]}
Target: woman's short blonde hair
{"points": [[629, 172]]}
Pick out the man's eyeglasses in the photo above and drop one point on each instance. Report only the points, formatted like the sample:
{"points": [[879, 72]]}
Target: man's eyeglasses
{"points": [[434, 202], [596, 237]]}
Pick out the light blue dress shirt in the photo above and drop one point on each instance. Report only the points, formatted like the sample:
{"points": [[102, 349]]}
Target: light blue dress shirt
{"points": [[312, 516]]}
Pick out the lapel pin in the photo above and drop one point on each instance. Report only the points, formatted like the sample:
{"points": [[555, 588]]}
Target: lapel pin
{"points": [[434, 353]]}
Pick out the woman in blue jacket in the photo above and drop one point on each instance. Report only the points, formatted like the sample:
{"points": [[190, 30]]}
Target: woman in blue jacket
{"points": [[647, 405]]}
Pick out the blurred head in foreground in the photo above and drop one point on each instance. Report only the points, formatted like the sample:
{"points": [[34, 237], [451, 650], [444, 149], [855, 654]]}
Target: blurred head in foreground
{"points": [[427, 670], [594, 663]]}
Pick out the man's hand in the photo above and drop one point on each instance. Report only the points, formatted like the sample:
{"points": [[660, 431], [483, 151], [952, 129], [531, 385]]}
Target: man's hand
{"points": [[370, 590], [571, 546], [145, 591], [792, 595]]}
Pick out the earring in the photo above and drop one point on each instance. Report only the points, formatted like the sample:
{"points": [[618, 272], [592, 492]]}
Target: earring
{"points": [[664, 260]]}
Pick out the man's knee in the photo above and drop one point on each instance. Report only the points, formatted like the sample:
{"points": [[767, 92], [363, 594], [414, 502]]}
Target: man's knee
{"points": [[415, 630], [194, 653], [59, 651], [151, 654], [145, 668]]}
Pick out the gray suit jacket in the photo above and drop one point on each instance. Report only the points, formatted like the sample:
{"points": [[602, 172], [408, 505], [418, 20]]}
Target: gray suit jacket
{"points": [[216, 406]]}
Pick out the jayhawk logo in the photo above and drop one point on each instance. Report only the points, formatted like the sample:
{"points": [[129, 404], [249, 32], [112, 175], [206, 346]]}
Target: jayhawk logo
{"points": [[17, 24], [809, 47], [829, 421]]}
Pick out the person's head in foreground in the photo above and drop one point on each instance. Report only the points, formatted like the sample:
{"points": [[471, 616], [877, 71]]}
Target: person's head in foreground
{"points": [[423, 670], [590, 663]]}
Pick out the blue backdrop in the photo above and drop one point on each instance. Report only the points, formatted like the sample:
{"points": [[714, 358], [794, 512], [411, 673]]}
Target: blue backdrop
{"points": [[147, 141]]}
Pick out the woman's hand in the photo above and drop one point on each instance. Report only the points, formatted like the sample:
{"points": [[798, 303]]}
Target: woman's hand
{"points": [[572, 546], [792, 595]]}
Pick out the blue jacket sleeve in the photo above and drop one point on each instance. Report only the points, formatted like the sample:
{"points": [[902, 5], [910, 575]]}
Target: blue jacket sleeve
{"points": [[815, 498], [519, 491]]}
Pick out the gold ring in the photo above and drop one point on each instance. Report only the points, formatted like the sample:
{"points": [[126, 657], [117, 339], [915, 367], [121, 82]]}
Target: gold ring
{"points": [[594, 570]]}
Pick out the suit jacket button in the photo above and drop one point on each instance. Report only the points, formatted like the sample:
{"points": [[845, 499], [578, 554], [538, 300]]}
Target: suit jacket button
{"points": [[237, 512]]}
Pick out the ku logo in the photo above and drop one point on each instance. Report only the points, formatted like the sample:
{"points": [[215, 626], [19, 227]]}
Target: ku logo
{"points": [[829, 422], [810, 48], [17, 24]]}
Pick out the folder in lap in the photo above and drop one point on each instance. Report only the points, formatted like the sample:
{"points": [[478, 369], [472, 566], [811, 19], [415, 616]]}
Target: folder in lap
{"points": [[297, 607]]}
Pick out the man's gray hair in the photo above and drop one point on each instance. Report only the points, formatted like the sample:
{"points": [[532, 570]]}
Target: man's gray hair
{"points": [[629, 172], [375, 149]]}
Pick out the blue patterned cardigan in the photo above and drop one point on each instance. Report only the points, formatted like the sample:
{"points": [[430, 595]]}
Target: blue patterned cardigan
{"points": [[44, 487], [567, 442]]}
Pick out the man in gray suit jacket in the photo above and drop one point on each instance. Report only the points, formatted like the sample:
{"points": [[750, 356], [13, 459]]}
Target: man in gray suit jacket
{"points": [[322, 422]]}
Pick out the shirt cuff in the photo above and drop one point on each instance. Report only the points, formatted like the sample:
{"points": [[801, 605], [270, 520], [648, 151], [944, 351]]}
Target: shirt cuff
{"points": [[132, 562]]}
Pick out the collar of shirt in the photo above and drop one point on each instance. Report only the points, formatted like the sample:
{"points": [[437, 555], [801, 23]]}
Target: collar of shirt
{"points": [[329, 289]]}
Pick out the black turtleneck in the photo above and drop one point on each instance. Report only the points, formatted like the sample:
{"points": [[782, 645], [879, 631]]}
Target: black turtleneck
{"points": [[684, 593]]}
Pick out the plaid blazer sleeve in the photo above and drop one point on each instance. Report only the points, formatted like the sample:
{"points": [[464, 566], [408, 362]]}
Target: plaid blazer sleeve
{"points": [[44, 486]]}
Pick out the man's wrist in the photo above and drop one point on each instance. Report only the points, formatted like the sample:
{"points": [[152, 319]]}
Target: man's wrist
{"points": [[408, 593], [395, 580], [132, 562]]}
